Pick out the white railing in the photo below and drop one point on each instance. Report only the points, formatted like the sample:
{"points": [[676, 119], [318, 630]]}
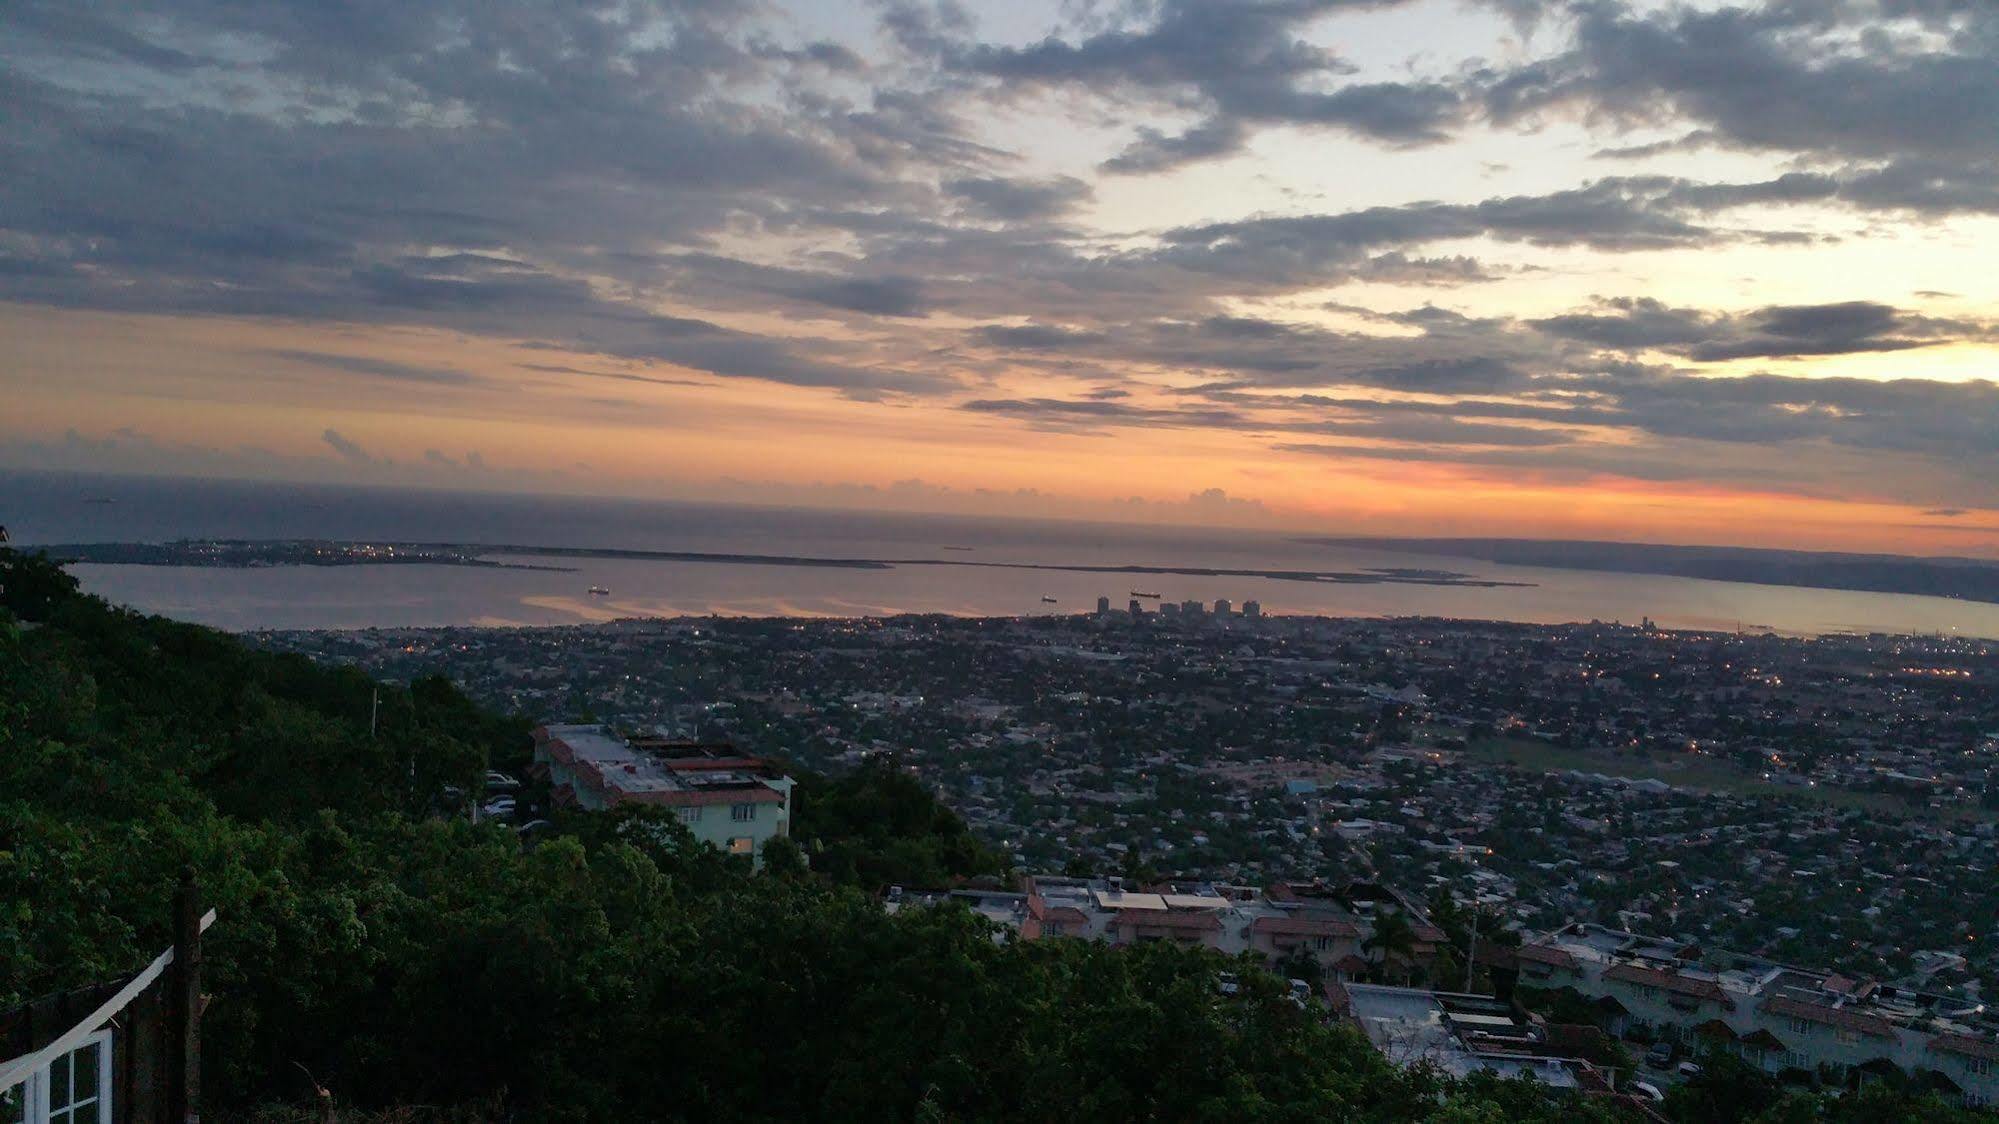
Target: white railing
{"points": [[18, 1070]]}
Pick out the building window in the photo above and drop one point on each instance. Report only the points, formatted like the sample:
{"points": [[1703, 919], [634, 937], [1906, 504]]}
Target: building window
{"points": [[1846, 1037], [74, 1089], [1980, 1066], [742, 812], [691, 813], [1802, 1026], [742, 845], [1323, 944]]}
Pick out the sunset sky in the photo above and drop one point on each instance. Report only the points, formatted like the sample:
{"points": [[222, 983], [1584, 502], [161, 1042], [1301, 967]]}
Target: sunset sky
{"points": [[1609, 269]]}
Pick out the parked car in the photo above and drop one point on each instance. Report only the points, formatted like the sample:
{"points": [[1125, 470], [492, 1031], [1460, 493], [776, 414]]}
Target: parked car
{"points": [[534, 828], [1301, 992], [1645, 1089], [1688, 1069], [1660, 1055], [497, 781], [499, 806]]}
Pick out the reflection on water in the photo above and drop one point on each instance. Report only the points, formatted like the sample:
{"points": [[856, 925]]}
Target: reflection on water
{"points": [[390, 596], [49, 508]]}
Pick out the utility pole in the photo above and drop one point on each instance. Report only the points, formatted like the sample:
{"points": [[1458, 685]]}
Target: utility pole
{"points": [[374, 710]]}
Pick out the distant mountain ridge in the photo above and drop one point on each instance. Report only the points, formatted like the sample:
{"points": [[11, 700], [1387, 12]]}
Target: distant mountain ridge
{"points": [[1966, 579]]}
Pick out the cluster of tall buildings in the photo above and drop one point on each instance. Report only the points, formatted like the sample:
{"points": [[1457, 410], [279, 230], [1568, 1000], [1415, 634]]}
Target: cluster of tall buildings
{"points": [[1189, 609]]}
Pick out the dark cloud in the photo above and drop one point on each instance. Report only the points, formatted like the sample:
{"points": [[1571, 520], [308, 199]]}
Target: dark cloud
{"points": [[299, 149], [1781, 331], [377, 368], [1242, 65], [1090, 413], [1018, 200], [1780, 76], [1157, 151], [1897, 97], [1618, 214], [348, 450], [1036, 337]]}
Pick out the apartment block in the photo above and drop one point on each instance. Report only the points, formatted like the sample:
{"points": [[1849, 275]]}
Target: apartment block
{"points": [[728, 800]]}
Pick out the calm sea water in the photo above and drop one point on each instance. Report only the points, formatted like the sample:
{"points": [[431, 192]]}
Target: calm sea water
{"points": [[48, 508]]}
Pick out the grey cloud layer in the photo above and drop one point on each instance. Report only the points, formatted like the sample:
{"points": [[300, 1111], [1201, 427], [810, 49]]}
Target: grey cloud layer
{"points": [[1239, 64], [638, 180], [1577, 392]]}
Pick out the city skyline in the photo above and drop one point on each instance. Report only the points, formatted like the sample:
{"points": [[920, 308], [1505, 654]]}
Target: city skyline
{"points": [[1613, 270]]}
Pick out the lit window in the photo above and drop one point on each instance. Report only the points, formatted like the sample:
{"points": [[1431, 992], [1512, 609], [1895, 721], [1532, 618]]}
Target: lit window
{"points": [[742, 812], [741, 845]]}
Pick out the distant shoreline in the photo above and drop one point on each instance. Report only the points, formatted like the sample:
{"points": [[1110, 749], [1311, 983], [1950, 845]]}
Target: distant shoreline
{"points": [[262, 554], [1963, 579]]}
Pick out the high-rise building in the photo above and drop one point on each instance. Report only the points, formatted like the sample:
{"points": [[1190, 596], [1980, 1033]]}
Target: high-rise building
{"points": [[1222, 607], [1103, 606], [1137, 610], [1252, 609], [1192, 607]]}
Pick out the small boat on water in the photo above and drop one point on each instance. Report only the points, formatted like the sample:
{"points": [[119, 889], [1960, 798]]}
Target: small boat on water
{"points": [[1048, 601], [599, 591], [1141, 593]]}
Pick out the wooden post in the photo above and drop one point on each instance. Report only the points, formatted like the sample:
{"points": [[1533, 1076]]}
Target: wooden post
{"points": [[183, 1045]]}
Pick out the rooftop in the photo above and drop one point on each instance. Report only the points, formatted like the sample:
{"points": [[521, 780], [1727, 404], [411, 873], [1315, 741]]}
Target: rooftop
{"points": [[653, 770], [1460, 1034], [1866, 1006]]}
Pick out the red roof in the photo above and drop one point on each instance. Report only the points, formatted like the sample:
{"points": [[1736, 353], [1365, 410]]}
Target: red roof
{"points": [[1304, 927], [1670, 981], [1038, 907], [1829, 1016], [703, 764], [697, 798], [1336, 996], [1544, 954], [1183, 920], [1966, 1045]]}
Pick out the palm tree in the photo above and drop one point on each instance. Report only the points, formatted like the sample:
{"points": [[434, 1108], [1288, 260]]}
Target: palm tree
{"points": [[1394, 938]]}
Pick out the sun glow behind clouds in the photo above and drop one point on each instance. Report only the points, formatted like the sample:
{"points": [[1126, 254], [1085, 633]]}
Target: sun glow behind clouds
{"points": [[1409, 266]]}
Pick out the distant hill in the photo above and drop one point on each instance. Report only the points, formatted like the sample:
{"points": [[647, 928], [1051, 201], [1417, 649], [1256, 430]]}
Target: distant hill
{"points": [[1967, 579]]}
